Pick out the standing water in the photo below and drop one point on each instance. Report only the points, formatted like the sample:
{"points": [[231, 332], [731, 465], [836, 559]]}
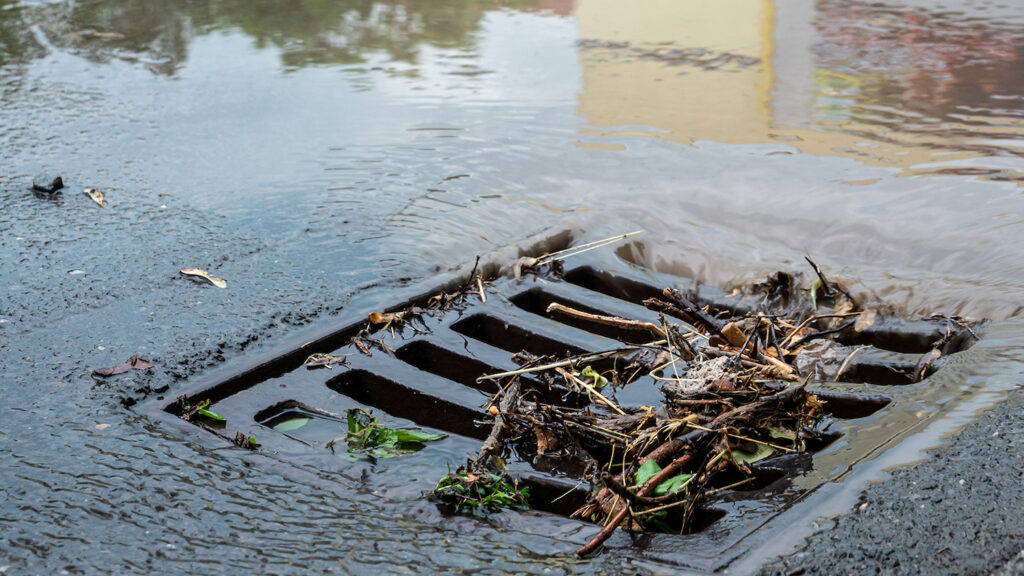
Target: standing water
{"points": [[311, 153]]}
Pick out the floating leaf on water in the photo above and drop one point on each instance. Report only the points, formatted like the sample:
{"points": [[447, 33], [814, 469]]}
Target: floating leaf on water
{"points": [[367, 434], [96, 196], [133, 363], [198, 272], [290, 425], [762, 452], [417, 436]]}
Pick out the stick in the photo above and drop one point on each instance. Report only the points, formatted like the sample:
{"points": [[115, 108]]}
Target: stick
{"points": [[812, 319], [585, 247], [607, 320], [492, 444], [608, 530], [746, 438], [480, 287], [677, 298], [822, 334], [566, 362]]}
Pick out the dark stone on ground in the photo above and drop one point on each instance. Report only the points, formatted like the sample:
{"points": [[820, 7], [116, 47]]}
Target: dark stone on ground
{"points": [[959, 512], [47, 182]]}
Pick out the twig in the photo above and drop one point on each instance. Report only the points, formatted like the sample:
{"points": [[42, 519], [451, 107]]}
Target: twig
{"points": [[480, 287], [744, 438], [585, 247], [821, 276], [609, 529], [812, 319], [615, 321], [846, 361], [822, 334], [677, 298], [566, 362]]}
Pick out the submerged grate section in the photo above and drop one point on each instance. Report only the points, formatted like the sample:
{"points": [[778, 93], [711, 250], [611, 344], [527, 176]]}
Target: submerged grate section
{"points": [[426, 376]]}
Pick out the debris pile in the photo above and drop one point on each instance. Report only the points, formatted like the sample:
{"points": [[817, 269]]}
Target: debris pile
{"points": [[733, 388]]}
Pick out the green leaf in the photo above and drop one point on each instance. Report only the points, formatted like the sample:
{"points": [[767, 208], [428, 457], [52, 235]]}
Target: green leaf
{"points": [[815, 287], [598, 380], [289, 425], [359, 420], [673, 484], [212, 416], [253, 443], [417, 436], [742, 457], [647, 471], [385, 437]]}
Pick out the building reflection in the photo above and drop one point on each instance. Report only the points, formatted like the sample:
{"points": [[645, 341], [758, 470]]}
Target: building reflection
{"points": [[924, 91]]}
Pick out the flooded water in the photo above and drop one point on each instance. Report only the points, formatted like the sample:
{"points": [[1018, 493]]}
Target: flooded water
{"points": [[313, 152]]}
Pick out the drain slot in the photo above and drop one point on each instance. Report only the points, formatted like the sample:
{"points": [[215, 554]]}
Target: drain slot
{"points": [[536, 301], [409, 403], [510, 337]]}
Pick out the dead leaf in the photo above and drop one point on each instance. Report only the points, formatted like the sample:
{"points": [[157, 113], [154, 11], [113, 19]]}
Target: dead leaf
{"points": [[546, 440], [218, 282], [864, 321], [134, 363], [386, 318], [96, 196]]}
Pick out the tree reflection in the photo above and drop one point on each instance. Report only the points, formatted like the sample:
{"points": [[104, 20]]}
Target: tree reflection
{"points": [[307, 32]]}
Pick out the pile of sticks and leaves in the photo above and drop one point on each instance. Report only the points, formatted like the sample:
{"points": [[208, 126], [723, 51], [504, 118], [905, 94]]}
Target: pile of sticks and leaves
{"points": [[731, 395]]}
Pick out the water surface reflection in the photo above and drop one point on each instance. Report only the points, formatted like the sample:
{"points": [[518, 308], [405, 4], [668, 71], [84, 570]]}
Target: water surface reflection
{"points": [[923, 90], [312, 152]]}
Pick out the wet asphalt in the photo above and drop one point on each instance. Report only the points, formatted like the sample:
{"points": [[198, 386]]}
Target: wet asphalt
{"points": [[72, 303], [958, 512]]}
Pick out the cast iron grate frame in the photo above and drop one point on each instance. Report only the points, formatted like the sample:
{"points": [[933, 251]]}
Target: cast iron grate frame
{"points": [[468, 341]]}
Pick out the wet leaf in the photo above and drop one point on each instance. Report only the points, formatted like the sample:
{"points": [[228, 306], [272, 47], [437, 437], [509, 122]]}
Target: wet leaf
{"points": [[290, 425], [598, 380], [96, 196], [762, 452], [864, 321], [650, 469], [418, 436], [815, 287], [198, 272], [134, 363], [366, 434], [358, 420], [211, 416], [673, 484], [647, 471], [546, 440]]}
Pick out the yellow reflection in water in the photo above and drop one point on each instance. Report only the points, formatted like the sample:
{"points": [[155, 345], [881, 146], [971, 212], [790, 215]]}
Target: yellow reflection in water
{"points": [[927, 93]]}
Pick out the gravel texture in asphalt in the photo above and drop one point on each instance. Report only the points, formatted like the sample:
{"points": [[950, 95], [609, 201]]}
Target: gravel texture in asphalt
{"points": [[958, 512]]}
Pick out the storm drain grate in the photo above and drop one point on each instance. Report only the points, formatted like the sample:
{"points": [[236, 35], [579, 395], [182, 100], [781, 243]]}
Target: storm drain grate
{"points": [[427, 378]]}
